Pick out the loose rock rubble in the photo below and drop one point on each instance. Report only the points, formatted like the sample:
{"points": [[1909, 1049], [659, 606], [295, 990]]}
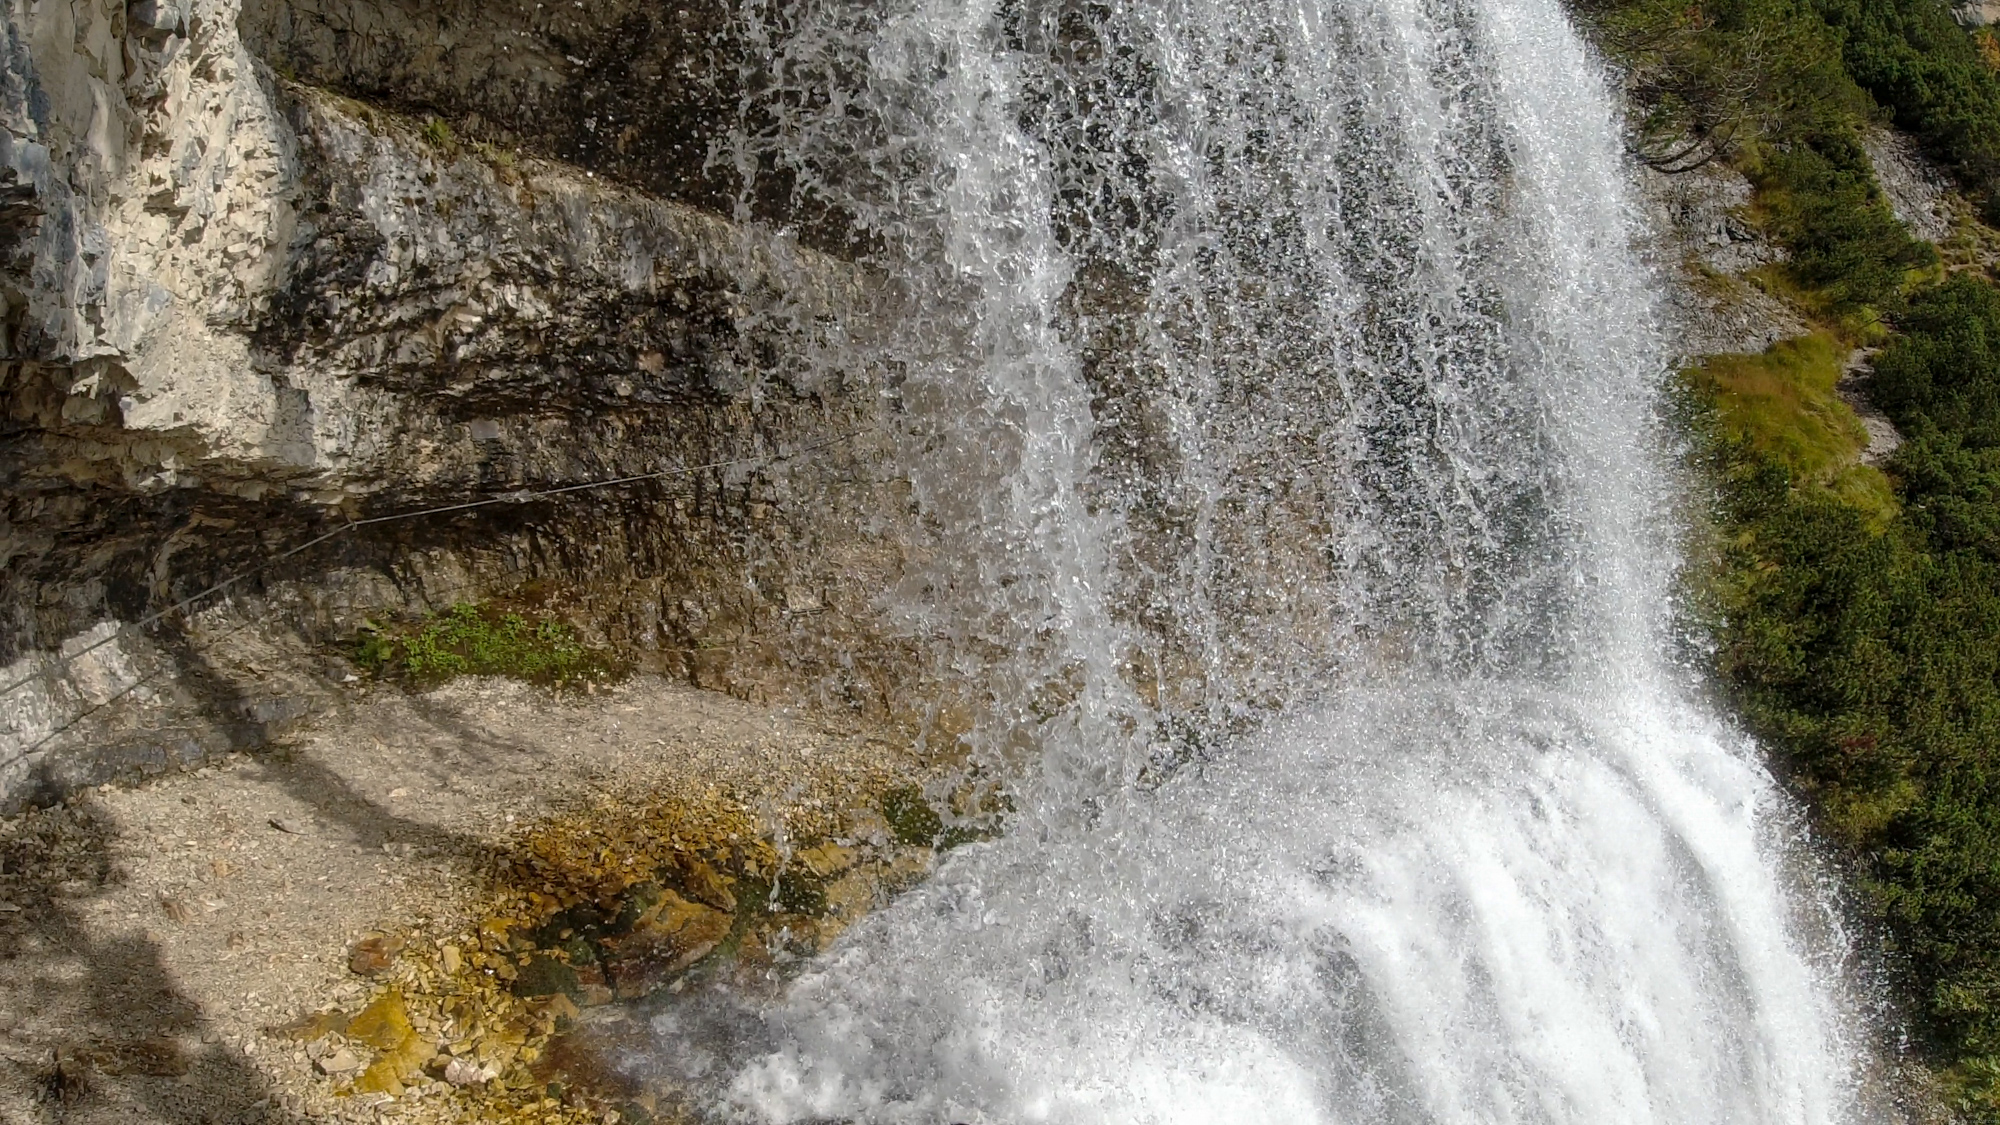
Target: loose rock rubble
{"points": [[470, 891]]}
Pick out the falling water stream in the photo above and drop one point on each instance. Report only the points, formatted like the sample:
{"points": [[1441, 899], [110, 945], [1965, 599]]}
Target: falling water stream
{"points": [[1276, 384]]}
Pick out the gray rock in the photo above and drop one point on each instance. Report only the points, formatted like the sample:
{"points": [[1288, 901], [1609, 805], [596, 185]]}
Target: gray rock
{"points": [[1918, 191], [340, 1063], [240, 311], [1704, 247]]}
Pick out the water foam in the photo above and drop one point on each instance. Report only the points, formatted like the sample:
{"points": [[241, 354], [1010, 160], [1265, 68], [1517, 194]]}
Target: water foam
{"points": [[1566, 913], [1279, 393]]}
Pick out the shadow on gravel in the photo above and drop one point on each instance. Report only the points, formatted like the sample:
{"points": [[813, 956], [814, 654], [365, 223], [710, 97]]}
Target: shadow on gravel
{"points": [[96, 1029]]}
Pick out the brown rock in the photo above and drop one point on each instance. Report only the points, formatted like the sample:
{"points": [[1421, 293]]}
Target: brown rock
{"points": [[669, 938], [385, 1026], [591, 989], [373, 954], [710, 888], [315, 1026], [827, 859]]}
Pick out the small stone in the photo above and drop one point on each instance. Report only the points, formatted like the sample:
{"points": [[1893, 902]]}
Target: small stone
{"points": [[315, 1027], [450, 957], [465, 1072], [374, 954], [398, 792], [338, 1063]]}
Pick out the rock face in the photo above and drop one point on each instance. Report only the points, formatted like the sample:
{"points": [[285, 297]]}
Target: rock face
{"points": [[1918, 191], [1976, 13], [243, 309], [277, 274], [1707, 249], [645, 92]]}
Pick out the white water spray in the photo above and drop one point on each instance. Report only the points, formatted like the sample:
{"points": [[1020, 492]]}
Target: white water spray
{"points": [[1279, 397]]}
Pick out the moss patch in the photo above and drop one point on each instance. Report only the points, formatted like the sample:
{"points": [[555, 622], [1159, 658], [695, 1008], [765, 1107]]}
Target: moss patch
{"points": [[1781, 405], [484, 640]]}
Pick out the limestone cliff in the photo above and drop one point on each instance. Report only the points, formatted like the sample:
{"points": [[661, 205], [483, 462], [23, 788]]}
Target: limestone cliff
{"points": [[273, 266], [242, 308]]}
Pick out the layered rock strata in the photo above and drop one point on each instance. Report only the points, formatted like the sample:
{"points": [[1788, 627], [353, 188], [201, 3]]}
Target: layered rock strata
{"points": [[242, 310]]}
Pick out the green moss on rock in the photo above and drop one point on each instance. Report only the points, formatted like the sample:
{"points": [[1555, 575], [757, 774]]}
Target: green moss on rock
{"points": [[485, 641]]}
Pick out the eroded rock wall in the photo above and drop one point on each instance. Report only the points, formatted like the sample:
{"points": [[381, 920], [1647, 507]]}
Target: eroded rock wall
{"points": [[242, 310]]}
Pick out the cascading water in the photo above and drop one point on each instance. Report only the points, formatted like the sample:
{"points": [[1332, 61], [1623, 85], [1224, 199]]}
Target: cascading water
{"points": [[1276, 387]]}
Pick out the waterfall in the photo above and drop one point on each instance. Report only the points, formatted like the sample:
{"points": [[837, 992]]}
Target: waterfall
{"points": [[1277, 389]]}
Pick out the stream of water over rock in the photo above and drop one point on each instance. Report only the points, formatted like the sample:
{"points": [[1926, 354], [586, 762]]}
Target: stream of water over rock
{"points": [[1278, 391]]}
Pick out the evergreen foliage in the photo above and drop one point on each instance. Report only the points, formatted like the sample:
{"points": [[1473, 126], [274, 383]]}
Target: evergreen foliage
{"points": [[1762, 84], [1916, 61], [1846, 246], [1867, 655], [1943, 375]]}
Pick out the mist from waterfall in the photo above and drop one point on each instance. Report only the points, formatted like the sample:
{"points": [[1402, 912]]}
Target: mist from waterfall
{"points": [[1278, 391]]}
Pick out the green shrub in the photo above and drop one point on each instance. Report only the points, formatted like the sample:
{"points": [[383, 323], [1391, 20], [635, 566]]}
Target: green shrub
{"points": [[1765, 84], [438, 133], [1858, 615], [1866, 651], [1942, 376], [1711, 80], [1915, 59], [482, 641], [1824, 207]]}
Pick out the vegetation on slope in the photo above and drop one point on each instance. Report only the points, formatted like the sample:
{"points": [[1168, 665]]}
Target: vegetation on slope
{"points": [[1868, 653], [1781, 407], [485, 641], [1935, 79], [1857, 613]]}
